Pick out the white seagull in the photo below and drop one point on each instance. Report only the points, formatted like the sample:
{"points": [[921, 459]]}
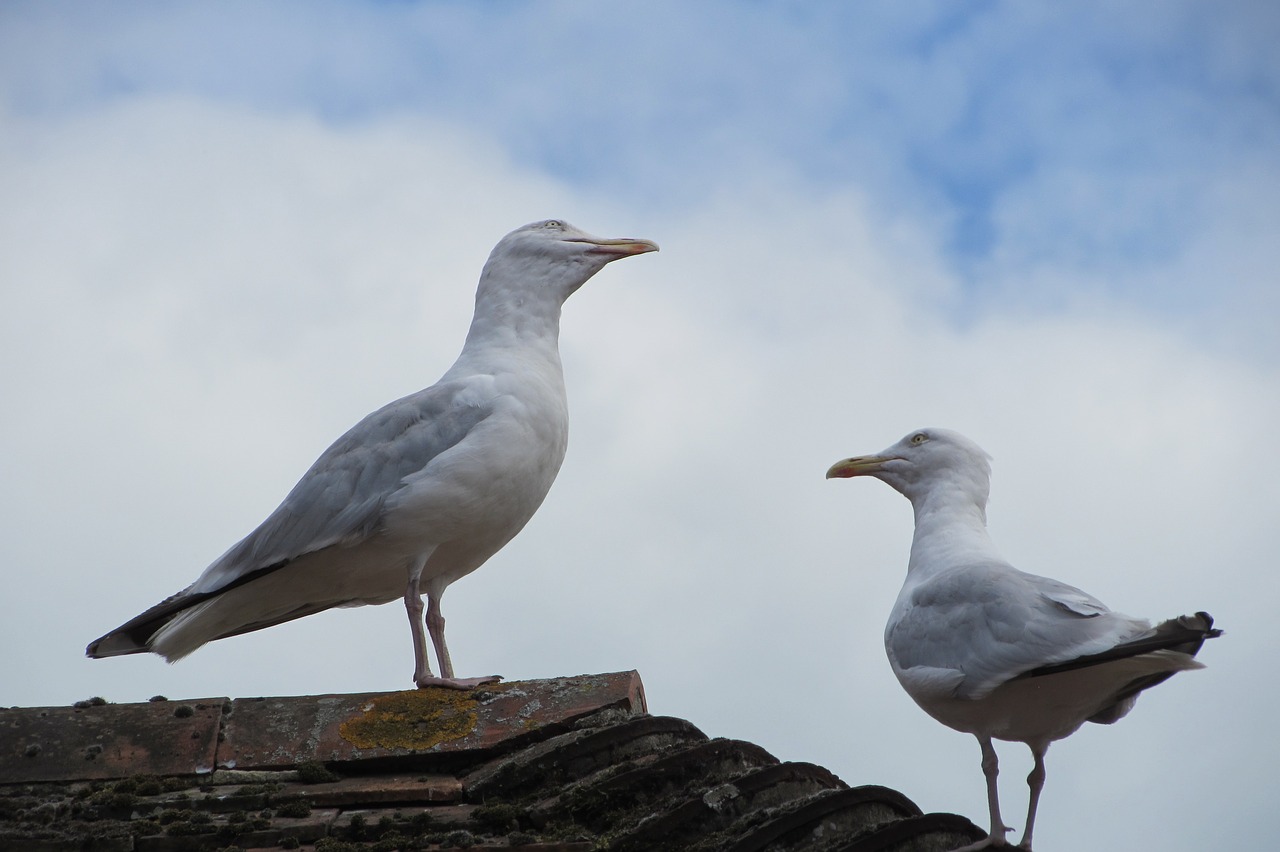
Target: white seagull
{"points": [[420, 492], [989, 650]]}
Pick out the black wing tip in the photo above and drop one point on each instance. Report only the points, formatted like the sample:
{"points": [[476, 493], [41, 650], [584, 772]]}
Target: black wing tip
{"points": [[115, 644], [134, 636], [1184, 634], [1210, 632]]}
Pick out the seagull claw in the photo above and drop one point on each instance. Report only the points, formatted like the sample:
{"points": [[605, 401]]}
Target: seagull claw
{"points": [[456, 682]]}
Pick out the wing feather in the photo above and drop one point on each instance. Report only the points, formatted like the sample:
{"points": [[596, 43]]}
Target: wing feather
{"points": [[991, 623], [338, 501]]}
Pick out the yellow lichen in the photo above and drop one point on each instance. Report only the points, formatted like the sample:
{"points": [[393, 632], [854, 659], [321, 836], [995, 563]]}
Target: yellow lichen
{"points": [[420, 719]]}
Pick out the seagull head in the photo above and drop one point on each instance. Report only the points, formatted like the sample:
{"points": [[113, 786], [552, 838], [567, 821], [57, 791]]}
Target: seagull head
{"points": [[926, 463], [554, 258]]}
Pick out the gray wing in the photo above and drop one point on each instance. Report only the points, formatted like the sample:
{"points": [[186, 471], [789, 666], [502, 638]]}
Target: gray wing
{"points": [[991, 623], [340, 500]]}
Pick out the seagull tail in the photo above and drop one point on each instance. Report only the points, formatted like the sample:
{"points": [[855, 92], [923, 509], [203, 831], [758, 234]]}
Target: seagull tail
{"points": [[1169, 647], [115, 644], [1180, 639], [1197, 628], [174, 627], [180, 624], [138, 634]]}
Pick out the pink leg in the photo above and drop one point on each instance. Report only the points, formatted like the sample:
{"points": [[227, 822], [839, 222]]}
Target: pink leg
{"points": [[413, 606], [435, 626], [1036, 782], [991, 769]]}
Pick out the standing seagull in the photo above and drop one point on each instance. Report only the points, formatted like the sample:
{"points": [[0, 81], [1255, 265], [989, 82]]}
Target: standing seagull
{"points": [[420, 492], [989, 650]]}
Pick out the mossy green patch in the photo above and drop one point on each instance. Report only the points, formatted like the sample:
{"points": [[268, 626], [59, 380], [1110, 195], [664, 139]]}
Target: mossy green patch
{"points": [[500, 816], [315, 772], [421, 719], [296, 809]]}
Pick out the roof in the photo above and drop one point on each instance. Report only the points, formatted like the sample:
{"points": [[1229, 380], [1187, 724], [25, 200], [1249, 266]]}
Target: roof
{"points": [[560, 765]]}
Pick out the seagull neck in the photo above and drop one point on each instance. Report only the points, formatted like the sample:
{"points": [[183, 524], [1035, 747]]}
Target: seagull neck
{"points": [[515, 323], [949, 532]]}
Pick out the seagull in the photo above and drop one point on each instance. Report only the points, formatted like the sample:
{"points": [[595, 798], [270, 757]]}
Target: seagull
{"points": [[992, 651], [420, 492]]}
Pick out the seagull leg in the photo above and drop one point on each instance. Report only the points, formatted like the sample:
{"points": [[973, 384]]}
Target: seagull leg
{"points": [[435, 626], [413, 606], [1036, 782], [991, 769]]}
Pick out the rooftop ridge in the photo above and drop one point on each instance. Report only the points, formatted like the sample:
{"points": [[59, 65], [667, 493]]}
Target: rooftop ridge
{"points": [[558, 765]]}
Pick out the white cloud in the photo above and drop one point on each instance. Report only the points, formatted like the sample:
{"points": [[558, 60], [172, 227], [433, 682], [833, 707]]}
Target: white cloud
{"points": [[193, 316]]}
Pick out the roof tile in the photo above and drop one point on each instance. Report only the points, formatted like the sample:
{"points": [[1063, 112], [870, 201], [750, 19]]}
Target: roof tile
{"points": [[560, 765], [278, 733], [108, 740]]}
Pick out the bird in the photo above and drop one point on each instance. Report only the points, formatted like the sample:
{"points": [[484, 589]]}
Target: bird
{"points": [[422, 491], [995, 652]]}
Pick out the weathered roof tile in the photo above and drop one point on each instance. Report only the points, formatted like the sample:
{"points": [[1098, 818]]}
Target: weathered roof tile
{"points": [[561, 765], [108, 740], [379, 789], [277, 733]]}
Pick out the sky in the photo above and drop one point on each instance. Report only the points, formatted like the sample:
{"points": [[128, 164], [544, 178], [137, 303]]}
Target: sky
{"points": [[228, 231]]}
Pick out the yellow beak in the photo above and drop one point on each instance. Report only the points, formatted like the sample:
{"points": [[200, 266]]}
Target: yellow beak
{"points": [[857, 466], [622, 247]]}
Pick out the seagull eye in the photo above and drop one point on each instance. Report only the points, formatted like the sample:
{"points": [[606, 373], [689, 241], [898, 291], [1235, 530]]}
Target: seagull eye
{"points": [[554, 223], [919, 438]]}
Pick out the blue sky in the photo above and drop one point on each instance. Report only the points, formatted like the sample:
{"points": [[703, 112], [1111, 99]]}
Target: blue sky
{"points": [[230, 230]]}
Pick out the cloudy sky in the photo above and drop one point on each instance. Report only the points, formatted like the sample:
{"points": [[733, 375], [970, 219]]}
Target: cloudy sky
{"points": [[228, 231]]}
